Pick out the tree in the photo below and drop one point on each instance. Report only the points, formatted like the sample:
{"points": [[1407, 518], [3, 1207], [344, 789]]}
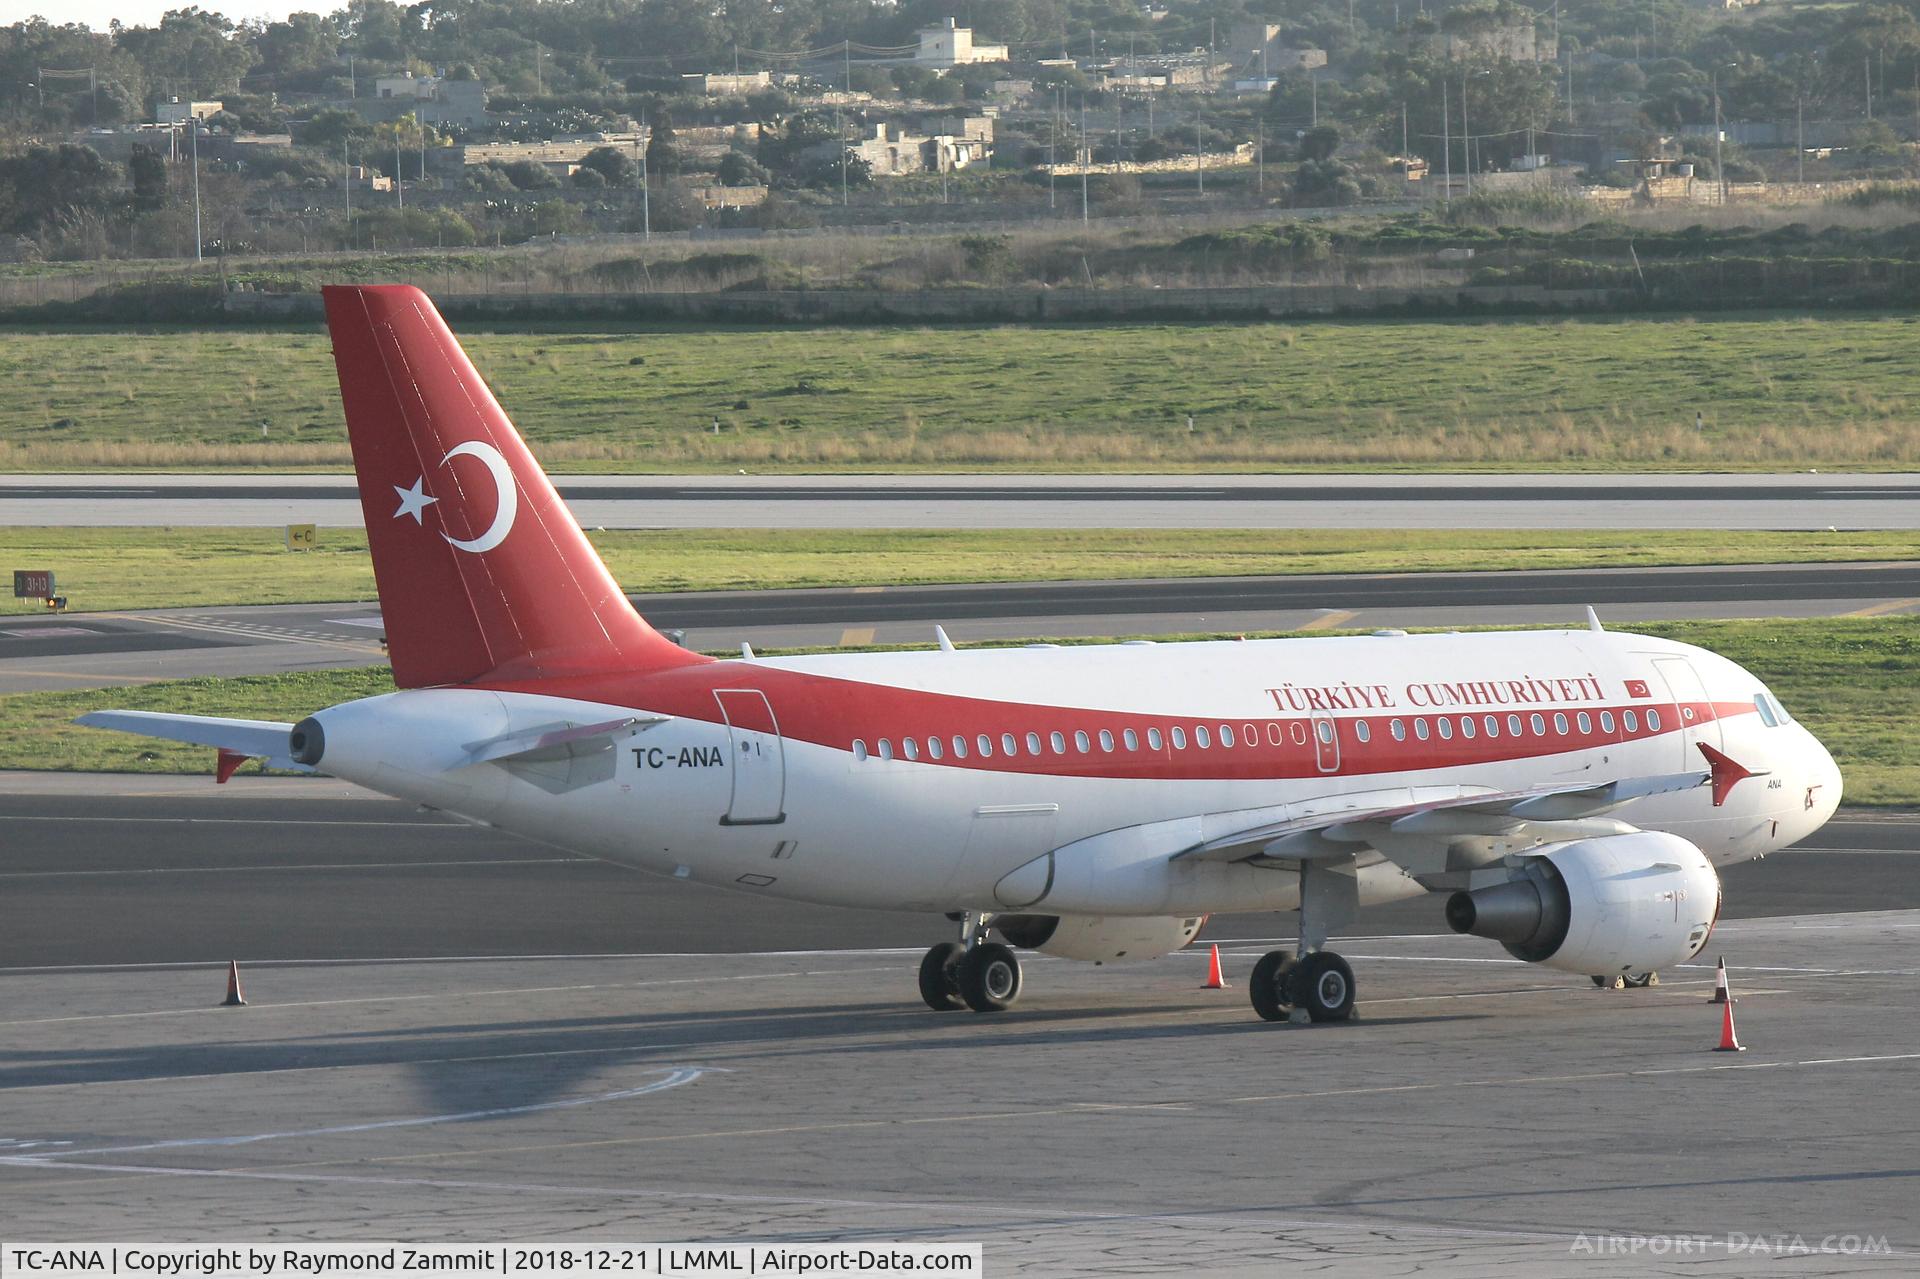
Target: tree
{"points": [[586, 179], [615, 165], [44, 186], [1320, 142], [147, 175], [663, 157], [331, 127], [739, 170], [530, 175]]}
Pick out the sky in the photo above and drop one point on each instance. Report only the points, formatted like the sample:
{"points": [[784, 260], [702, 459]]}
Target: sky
{"points": [[98, 13]]}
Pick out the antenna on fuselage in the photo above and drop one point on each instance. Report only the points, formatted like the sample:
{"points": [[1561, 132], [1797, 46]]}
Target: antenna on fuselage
{"points": [[746, 650], [1593, 620], [940, 633]]}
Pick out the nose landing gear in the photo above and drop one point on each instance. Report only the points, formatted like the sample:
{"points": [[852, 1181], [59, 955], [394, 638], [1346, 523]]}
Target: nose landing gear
{"points": [[972, 972]]}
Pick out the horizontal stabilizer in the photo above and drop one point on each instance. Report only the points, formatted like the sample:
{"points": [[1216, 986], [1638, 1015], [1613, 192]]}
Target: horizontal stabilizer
{"points": [[254, 738]]}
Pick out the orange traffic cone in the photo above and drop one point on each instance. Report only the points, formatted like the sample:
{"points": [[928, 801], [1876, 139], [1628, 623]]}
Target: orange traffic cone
{"points": [[1216, 980], [1720, 995], [233, 999], [1729, 1042]]}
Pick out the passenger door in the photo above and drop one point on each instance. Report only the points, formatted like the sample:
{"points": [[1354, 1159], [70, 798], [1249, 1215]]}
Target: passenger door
{"points": [[1693, 706], [756, 759]]}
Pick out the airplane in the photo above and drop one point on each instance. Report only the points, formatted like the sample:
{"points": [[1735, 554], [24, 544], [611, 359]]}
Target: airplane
{"points": [[1571, 791]]}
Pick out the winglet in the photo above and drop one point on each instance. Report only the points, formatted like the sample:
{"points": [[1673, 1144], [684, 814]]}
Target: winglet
{"points": [[1726, 773], [225, 763]]}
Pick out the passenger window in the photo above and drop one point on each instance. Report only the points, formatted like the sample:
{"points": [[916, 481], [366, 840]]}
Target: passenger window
{"points": [[1179, 737], [859, 749], [1759, 704], [1538, 724], [1250, 734], [1325, 729], [1420, 729], [1467, 728], [1274, 736], [1010, 747], [1513, 726], [1631, 720], [1399, 730], [1606, 721], [1559, 724], [1132, 739], [985, 743], [886, 749], [1106, 740], [1585, 722], [1492, 724], [1361, 731], [910, 748], [959, 746], [1080, 742], [1153, 738], [1200, 737], [1653, 720], [1226, 735], [1058, 741], [1033, 743], [1446, 728], [934, 749]]}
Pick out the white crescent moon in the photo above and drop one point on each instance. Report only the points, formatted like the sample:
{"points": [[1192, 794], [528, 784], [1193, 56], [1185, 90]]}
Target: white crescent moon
{"points": [[505, 490]]}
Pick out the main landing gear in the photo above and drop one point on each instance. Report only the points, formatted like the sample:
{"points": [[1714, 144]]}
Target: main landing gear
{"points": [[972, 972], [1626, 981], [1316, 985]]}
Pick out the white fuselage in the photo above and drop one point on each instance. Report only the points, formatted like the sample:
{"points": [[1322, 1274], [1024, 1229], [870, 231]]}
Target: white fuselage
{"points": [[794, 777]]}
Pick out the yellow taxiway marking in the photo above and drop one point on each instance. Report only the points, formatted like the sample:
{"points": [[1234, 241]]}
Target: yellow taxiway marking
{"points": [[868, 590], [1885, 606], [1328, 620], [855, 636]]}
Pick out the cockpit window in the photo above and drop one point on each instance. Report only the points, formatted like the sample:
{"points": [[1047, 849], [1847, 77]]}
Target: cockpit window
{"points": [[1772, 713]]}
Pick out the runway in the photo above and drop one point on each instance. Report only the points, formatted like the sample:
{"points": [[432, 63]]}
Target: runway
{"points": [[1411, 501], [455, 1036], [83, 649]]}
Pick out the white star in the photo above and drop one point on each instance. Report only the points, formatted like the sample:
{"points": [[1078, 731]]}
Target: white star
{"points": [[414, 500]]}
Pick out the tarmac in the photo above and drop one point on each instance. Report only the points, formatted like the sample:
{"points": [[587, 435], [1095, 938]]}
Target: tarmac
{"points": [[452, 1035], [1730, 501]]}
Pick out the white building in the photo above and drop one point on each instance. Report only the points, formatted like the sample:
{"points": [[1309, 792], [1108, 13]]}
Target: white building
{"points": [[178, 112], [948, 45]]}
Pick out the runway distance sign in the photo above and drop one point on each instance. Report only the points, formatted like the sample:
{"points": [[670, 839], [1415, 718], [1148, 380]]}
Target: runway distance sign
{"points": [[33, 583]]}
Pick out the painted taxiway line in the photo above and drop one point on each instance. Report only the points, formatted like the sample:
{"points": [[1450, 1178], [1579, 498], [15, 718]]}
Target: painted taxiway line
{"points": [[245, 869]]}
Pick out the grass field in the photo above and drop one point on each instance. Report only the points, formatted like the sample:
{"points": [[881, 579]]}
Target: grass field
{"points": [[1854, 682], [1777, 391], [114, 568]]}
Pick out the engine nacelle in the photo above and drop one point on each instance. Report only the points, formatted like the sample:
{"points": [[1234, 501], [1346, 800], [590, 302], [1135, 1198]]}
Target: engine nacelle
{"points": [[1099, 938], [1620, 903]]}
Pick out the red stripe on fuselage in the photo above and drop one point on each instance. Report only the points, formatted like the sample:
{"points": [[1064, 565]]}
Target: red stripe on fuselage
{"points": [[833, 712]]}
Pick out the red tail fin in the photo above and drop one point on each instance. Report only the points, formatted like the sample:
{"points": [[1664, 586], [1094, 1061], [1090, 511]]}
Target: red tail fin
{"points": [[482, 570]]}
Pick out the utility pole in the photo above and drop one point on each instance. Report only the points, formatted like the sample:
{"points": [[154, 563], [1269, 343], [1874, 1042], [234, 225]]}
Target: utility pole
{"points": [[1719, 172], [353, 84], [1052, 126], [1085, 156], [840, 128], [399, 187], [1403, 132], [193, 123], [1866, 72], [646, 187], [1800, 133], [1199, 168], [1260, 154], [1466, 134], [1446, 142], [1313, 88]]}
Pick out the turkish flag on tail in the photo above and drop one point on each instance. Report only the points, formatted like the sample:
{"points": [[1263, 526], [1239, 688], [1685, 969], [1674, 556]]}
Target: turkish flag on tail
{"points": [[482, 570]]}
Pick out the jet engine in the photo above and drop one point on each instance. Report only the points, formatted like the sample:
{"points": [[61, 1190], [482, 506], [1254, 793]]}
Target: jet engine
{"points": [[1099, 938], [1637, 903]]}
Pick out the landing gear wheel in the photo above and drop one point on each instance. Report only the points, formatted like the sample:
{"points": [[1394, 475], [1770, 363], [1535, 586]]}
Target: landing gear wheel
{"points": [[1613, 982], [1643, 980], [1322, 984], [940, 978], [1268, 985], [989, 977]]}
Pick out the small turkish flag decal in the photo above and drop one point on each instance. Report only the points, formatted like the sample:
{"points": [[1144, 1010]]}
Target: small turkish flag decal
{"points": [[1638, 688]]}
